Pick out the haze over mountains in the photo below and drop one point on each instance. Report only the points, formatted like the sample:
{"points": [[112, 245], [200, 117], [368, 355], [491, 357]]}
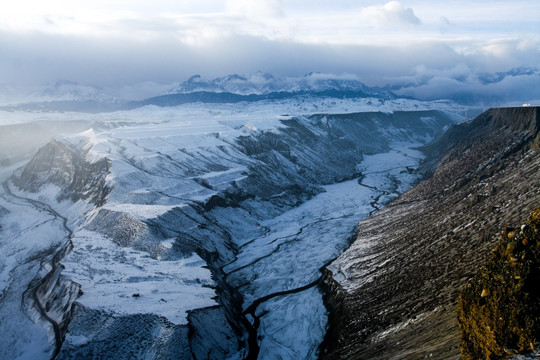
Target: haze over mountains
{"points": [[516, 86]]}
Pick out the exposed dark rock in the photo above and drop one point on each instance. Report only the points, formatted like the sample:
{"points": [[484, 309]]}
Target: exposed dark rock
{"points": [[292, 162], [211, 334], [56, 163], [95, 334], [394, 292], [499, 310]]}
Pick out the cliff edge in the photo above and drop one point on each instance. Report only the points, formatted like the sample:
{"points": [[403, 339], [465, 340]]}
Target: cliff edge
{"points": [[393, 294]]}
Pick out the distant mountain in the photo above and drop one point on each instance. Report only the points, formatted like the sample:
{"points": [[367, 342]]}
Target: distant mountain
{"points": [[64, 90], [71, 96], [258, 83], [491, 78], [259, 87], [264, 83], [515, 86], [64, 95]]}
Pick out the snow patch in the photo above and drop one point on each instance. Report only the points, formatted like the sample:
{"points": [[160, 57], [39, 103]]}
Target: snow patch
{"points": [[124, 281]]}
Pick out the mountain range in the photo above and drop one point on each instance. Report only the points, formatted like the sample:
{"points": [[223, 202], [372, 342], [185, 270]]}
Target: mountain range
{"points": [[65, 95], [264, 83]]}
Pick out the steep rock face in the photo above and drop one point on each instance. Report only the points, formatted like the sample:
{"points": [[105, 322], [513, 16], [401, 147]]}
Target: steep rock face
{"points": [[293, 162], [58, 164], [499, 310], [393, 293]]}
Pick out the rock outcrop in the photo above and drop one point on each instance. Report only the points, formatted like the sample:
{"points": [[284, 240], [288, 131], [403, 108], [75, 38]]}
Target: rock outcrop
{"points": [[58, 164], [393, 293]]}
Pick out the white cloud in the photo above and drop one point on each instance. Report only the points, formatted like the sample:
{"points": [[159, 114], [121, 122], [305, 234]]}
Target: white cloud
{"points": [[256, 9], [391, 14], [123, 42], [444, 24]]}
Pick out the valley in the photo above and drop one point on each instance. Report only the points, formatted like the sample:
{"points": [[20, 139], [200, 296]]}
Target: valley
{"points": [[273, 180], [215, 228]]}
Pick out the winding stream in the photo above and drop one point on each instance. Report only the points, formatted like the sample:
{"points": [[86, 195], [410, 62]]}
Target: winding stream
{"points": [[277, 272], [34, 287]]}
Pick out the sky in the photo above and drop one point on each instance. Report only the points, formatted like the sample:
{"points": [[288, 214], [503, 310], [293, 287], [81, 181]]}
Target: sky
{"points": [[127, 45]]}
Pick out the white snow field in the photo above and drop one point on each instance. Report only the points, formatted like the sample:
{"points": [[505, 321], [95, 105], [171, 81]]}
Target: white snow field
{"points": [[135, 254]]}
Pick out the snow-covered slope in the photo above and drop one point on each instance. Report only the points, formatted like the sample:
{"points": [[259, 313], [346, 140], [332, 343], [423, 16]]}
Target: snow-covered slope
{"points": [[200, 212], [264, 83]]}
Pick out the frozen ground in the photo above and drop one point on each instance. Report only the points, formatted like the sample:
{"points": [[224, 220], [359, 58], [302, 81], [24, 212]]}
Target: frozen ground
{"points": [[241, 112], [164, 162], [29, 235], [122, 280], [301, 241]]}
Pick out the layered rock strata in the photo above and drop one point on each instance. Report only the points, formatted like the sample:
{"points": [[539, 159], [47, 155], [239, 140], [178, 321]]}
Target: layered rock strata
{"points": [[393, 293]]}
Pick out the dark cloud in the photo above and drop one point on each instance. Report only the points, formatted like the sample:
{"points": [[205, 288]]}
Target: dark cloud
{"points": [[460, 84], [117, 63]]}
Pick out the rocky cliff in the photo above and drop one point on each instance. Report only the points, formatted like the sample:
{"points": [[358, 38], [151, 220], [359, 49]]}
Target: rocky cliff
{"points": [[393, 293], [60, 165]]}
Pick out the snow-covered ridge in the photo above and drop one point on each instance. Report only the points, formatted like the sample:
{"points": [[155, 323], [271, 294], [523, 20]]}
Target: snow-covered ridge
{"points": [[264, 83]]}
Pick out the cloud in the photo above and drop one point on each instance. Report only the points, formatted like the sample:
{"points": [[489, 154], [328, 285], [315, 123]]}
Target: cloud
{"points": [[39, 58], [256, 9], [390, 45], [391, 14], [465, 85], [444, 24]]}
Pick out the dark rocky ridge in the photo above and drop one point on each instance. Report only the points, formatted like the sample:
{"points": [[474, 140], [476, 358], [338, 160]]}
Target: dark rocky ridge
{"points": [[393, 293], [228, 97], [58, 164]]}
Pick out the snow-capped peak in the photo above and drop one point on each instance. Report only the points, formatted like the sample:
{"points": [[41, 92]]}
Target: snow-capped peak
{"points": [[257, 83], [264, 83]]}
